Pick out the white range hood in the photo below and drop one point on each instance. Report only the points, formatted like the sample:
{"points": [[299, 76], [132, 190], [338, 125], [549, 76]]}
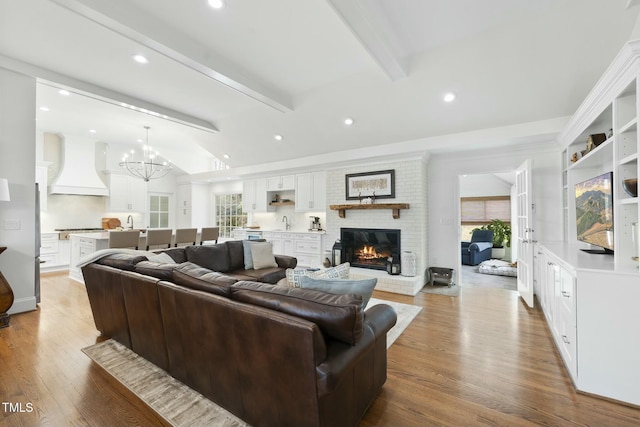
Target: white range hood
{"points": [[78, 173]]}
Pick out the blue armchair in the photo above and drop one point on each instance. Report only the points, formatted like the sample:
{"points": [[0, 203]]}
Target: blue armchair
{"points": [[479, 248]]}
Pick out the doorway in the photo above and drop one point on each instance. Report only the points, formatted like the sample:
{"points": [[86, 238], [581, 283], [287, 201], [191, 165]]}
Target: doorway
{"points": [[484, 197]]}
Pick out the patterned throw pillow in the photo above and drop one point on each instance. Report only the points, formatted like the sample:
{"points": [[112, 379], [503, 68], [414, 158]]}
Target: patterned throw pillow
{"points": [[295, 275]]}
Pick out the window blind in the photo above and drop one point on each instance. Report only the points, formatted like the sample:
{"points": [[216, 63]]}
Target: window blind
{"points": [[479, 210]]}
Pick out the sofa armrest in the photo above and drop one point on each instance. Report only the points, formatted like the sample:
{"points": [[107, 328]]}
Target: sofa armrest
{"points": [[480, 246], [285, 261], [380, 318], [465, 245], [341, 358]]}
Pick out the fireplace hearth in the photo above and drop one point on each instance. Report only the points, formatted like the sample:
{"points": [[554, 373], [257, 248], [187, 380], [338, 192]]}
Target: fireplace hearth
{"points": [[369, 247]]}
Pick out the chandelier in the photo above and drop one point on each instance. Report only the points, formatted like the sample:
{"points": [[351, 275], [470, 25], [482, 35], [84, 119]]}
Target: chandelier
{"points": [[151, 166]]}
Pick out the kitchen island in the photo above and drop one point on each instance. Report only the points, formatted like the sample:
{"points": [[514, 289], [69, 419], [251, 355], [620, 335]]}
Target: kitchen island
{"points": [[82, 245]]}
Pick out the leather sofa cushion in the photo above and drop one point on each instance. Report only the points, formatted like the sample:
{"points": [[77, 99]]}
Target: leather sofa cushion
{"points": [[338, 316], [193, 276], [236, 254], [121, 261], [266, 275], [158, 270], [213, 257]]}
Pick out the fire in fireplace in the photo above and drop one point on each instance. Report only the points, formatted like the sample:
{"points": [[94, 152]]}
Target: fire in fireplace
{"points": [[369, 247]]}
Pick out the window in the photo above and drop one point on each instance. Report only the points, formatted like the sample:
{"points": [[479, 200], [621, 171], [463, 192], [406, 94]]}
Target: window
{"points": [[229, 213], [158, 211], [478, 211]]}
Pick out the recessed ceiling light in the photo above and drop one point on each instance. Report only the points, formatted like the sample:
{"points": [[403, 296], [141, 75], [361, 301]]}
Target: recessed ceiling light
{"points": [[348, 121], [92, 131], [140, 59], [278, 137], [449, 97], [43, 108], [216, 4], [226, 156], [64, 92]]}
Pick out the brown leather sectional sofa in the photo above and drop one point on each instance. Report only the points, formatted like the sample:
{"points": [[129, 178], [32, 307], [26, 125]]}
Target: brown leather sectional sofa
{"points": [[272, 355]]}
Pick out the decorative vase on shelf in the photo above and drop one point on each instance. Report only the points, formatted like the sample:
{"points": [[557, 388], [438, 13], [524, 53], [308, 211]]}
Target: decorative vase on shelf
{"points": [[408, 262]]}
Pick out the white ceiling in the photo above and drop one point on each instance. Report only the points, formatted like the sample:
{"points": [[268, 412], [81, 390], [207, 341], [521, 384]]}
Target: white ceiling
{"points": [[230, 79]]}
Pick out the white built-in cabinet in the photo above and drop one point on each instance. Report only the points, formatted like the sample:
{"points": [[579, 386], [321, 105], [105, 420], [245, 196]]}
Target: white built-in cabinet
{"points": [[310, 192], [590, 301], [127, 193], [183, 206], [311, 189], [305, 247], [557, 299], [281, 183], [254, 195], [54, 253]]}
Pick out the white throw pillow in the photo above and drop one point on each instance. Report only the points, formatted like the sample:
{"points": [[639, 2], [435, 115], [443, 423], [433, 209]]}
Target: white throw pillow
{"points": [[262, 254], [161, 258]]}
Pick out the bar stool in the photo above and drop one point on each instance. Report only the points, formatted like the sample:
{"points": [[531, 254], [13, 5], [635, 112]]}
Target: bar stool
{"points": [[209, 233], [124, 239], [159, 237], [185, 235]]}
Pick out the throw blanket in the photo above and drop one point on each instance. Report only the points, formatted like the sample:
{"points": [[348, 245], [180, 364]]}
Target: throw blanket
{"points": [[104, 252]]}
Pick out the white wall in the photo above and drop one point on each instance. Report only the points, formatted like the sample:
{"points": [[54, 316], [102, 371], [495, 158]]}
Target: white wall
{"points": [[483, 186], [444, 206], [17, 164]]}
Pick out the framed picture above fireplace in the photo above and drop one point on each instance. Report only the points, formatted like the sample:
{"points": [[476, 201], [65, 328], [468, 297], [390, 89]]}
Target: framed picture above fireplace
{"points": [[378, 184]]}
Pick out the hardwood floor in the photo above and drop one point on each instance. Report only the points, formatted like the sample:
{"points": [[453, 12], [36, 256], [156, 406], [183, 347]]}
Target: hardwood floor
{"points": [[481, 358]]}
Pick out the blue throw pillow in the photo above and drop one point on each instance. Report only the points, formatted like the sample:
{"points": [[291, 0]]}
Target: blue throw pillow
{"points": [[363, 287]]}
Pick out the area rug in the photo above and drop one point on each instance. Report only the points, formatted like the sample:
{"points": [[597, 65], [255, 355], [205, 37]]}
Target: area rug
{"points": [[405, 312], [177, 403], [452, 291]]}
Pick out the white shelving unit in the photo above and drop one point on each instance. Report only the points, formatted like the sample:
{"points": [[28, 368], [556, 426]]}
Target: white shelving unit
{"points": [[589, 300], [617, 154]]}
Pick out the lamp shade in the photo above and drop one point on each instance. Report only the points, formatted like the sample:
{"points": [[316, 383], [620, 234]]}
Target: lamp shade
{"points": [[4, 190]]}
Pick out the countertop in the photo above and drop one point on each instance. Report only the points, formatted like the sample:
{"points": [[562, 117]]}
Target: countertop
{"points": [[279, 230]]}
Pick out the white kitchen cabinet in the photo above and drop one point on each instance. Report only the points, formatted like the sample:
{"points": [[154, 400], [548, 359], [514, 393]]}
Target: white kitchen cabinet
{"points": [[280, 183], [83, 245], [254, 195], [184, 206], [64, 253], [308, 249], [127, 194], [311, 192], [54, 253], [305, 247]]}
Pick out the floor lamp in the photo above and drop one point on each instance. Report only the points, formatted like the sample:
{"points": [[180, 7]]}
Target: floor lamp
{"points": [[6, 293]]}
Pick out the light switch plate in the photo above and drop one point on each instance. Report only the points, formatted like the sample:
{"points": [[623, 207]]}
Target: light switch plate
{"points": [[12, 224]]}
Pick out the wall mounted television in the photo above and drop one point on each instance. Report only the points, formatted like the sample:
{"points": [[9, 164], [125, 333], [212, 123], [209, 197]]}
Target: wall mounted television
{"points": [[594, 213]]}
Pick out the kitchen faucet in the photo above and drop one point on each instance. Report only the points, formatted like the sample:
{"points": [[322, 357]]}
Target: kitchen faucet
{"points": [[130, 218], [286, 222]]}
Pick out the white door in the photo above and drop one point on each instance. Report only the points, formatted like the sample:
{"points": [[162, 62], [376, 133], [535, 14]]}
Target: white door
{"points": [[524, 223]]}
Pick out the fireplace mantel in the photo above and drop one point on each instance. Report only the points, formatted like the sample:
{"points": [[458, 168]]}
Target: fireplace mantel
{"points": [[395, 207]]}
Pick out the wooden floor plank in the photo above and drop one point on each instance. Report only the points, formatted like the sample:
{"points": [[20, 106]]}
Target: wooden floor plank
{"points": [[482, 358]]}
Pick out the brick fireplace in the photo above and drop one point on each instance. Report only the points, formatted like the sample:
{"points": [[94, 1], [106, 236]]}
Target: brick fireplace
{"points": [[411, 188]]}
